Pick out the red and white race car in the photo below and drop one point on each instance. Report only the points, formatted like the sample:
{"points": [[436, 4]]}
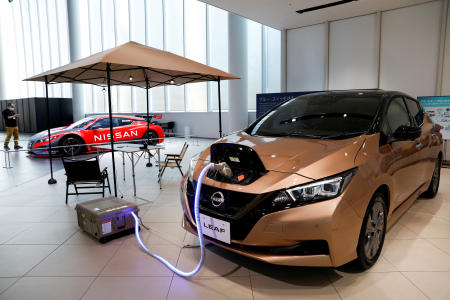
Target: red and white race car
{"points": [[83, 135]]}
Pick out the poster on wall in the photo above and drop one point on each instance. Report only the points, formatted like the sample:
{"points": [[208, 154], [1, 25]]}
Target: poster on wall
{"points": [[438, 108]]}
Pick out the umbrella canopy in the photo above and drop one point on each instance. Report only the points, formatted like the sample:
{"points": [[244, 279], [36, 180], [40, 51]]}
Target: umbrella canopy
{"points": [[131, 64]]}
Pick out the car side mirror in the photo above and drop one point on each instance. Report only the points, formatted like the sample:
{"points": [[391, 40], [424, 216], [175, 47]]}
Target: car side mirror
{"points": [[95, 127], [406, 133]]}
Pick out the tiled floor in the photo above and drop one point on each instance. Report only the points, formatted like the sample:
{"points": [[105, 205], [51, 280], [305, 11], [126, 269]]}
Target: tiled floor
{"points": [[43, 254]]}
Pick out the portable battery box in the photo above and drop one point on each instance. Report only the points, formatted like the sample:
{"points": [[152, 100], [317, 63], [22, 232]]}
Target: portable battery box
{"points": [[106, 218]]}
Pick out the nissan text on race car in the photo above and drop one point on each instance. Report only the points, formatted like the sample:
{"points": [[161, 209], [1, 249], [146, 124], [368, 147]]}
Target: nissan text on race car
{"points": [[83, 135]]}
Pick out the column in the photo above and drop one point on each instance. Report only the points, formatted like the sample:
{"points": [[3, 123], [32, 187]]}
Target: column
{"points": [[75, 54], [237, 65]]}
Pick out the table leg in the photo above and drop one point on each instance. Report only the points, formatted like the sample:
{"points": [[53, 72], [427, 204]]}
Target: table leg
{"points": [[159, 167], [132, 170], [123, 165], [149, 164]]}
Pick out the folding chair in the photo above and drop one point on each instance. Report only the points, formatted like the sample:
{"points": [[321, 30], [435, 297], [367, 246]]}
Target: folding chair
{"points": [[84, 173], [173, 161]]}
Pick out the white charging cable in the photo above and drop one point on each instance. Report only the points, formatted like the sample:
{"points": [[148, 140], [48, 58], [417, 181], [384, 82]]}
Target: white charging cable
{"points": [[199, 231]]}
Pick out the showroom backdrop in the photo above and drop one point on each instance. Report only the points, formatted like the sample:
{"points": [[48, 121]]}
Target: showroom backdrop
{"points": [[402, 49], [40, 35]]}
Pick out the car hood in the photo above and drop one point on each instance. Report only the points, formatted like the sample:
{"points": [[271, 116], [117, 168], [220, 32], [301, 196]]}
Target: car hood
{"points": [[312, 158], [44, 133]]}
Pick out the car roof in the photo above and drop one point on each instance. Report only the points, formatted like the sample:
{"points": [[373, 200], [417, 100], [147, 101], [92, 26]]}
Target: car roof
{"points": [[119, 116], [367, 92]]}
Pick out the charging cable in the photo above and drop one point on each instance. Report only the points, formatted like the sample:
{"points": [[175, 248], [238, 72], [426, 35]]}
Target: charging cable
{"points": [[199, 232]]}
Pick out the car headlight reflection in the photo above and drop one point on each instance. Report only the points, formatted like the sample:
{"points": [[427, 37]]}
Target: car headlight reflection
{"points": [[317, 191]]}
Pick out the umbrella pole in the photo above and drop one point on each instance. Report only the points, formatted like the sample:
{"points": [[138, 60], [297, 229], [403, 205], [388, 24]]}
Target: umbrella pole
{"points": [[108, 76], [147, 85], [51, 180], [220, 108]]}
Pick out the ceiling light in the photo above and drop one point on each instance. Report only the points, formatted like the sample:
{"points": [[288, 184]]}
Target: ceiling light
{"points": [[131, 78], [172, 82]]}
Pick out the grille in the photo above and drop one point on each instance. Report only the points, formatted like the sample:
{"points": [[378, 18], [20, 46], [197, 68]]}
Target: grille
{"points": [[240, 209]]}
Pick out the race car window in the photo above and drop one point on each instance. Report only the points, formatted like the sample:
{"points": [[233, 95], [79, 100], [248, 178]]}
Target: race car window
{"points": [[102, 123], [125, 122], [415, 111]]}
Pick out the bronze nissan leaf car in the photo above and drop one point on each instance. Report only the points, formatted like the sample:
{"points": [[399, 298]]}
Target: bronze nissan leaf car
{"points": [[317, 180]]}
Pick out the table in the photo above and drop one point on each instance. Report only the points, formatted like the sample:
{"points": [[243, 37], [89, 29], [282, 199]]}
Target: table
{"points": [[132, 150]]}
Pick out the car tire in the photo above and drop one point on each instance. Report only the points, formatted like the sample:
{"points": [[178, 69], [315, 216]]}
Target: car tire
{"points": [[373, 231], [73, 141], [435, 179], [153, 137]]}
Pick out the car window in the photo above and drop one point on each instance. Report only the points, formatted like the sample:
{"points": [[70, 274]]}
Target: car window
{"points": [[397, 114], [125, 122], [415, 111], [102, 123], [320, 116]]}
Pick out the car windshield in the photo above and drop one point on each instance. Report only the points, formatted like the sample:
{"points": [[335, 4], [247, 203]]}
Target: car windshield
{"points": [[320, 116], [80, 124]]}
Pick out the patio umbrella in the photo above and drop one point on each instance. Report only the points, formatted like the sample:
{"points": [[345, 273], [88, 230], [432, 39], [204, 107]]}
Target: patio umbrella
{"points": [[131, 64]]}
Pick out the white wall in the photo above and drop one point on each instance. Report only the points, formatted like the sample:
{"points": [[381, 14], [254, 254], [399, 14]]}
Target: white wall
{"points": [[306, 58], [446, 70], [409, 52], [353, 50], [410, 49]]}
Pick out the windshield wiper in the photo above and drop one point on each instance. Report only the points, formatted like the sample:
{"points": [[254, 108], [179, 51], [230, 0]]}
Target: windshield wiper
{"points": [[302, 134], [344, 135]]}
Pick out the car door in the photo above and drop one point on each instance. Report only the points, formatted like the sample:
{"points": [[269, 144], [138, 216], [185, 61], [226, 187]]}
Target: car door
{"points": [[125, 129], [100, 131], [399, 157], [425, 158]]}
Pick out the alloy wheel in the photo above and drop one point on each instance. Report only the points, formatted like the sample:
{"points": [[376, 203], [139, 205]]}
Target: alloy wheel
{"points": [[374, 229]]}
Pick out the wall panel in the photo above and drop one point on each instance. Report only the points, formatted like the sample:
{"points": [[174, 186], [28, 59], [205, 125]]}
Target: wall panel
{"points": [[306, 58], [410, 49], [353, 51]]}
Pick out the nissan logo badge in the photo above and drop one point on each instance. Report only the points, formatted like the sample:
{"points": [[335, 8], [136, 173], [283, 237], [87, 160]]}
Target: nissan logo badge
{"points": [[217, 199]]}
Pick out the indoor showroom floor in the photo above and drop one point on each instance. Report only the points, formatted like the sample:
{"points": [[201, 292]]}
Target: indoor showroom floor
{"points": [[44, 255]]}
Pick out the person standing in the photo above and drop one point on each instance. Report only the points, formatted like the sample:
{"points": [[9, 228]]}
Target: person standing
{"points": [[11, 126]]}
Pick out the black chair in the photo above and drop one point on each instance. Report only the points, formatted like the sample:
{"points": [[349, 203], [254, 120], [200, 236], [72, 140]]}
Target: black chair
{"points": [[84, 173]]}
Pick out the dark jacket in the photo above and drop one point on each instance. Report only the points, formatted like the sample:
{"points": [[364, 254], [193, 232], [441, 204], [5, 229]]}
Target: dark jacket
{"points": [[9, 122]]}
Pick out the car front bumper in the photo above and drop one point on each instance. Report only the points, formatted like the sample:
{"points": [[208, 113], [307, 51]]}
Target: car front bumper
{"points": [[334, 223]]}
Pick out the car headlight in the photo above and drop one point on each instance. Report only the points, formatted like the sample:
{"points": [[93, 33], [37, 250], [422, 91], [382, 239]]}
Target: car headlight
{"points": [[324, 189], [192, 164], [52, 138]]}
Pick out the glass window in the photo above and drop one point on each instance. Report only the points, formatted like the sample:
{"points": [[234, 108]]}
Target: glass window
{"points": [[319, 116], [254, 59], [195, 30], [397, 114], [108, 11], [415, 111], [54, 43], [218, 54], [102, 123], [174, 40]]}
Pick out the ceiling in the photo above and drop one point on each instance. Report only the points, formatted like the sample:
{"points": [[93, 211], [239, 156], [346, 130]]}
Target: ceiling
{"points": [[281, 14]]}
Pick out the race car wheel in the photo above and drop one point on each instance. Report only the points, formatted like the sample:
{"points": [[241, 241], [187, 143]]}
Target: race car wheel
{"points": [[152, 136], [435, 179], [71, 145], [373, 231]]}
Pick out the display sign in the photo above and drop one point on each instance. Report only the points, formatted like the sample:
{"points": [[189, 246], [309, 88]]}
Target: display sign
{"points": [[264, 102], [438, 109]]}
